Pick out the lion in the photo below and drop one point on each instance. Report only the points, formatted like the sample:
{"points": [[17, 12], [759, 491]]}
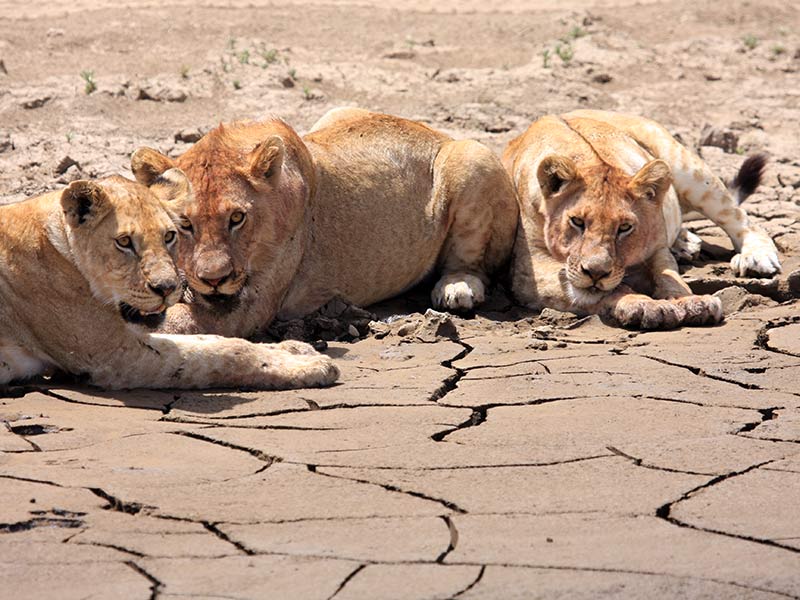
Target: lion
{"points": [[86, 271], [361, 208], [601, 202]]}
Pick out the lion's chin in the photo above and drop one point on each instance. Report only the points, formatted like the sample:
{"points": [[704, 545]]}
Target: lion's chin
{"points": [[222, 303], [587, 296], [136, 316]]}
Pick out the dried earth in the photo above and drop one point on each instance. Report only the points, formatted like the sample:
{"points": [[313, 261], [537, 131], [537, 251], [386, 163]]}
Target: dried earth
{"points": [[510, 455]]}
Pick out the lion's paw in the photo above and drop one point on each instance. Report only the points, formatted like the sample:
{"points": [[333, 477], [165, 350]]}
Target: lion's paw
{"points": [[758, 257], [701, 310], [647, 313], [458, 292], [687, 247]]}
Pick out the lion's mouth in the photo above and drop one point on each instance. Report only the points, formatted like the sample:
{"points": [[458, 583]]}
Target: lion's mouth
{"points": [[136, 316], [222, 303]]}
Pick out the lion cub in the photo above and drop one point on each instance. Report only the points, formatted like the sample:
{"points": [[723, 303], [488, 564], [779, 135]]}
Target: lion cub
{"points": [[601, 200], [363, 207], [84, 270]]}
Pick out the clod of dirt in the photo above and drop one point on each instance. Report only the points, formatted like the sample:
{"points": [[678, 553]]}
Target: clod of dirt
{"points": [[736, 298], [720, 138], [557, 317], [36, 102], [6, 143], [65, 164], [3, 69], [161, 94], [793, 280], [602, 78], [287, 82], [400, 54], [188, 136], [436, 326], [336, 320]]}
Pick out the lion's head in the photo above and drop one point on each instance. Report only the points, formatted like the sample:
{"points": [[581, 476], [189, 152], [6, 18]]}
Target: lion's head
{"points": [[251, 185], [123, 240], [600, 221]]}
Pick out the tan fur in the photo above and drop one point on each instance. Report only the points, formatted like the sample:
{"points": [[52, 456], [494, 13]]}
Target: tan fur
{"points": [[363, 207], [594, 232], [65, 270]]}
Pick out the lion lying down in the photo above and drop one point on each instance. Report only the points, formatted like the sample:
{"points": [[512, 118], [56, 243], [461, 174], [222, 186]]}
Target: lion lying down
{"points": [[362, 208], [84, 270], [601, 200]]}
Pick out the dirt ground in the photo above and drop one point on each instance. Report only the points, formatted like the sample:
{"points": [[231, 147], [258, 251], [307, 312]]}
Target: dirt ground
{"points": [[511, 455]]}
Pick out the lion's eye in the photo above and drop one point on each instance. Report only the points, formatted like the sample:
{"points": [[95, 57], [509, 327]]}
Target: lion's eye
{"points": [[577, 223], [169, 238], [185, 224], [624, 228], [237, 218], [124, 243]]}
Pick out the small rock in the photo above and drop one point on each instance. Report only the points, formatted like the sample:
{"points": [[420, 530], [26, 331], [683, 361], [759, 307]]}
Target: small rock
{"points": [[498, 127], [537, 345], [351, 329], [712, 76], [36, 102], [735, 298], [719, 137], [406, 329], [379, 329], [557, 317], [3, 69], [287, 82], [65, 164], [6, 143], [602, 78], [73, 173], [793, 280], [401, 54], [188, 136], [395, 353], [436, 326], [55, 32]]}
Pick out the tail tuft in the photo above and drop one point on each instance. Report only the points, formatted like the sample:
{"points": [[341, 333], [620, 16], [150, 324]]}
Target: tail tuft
{"points": [[749, 176]]}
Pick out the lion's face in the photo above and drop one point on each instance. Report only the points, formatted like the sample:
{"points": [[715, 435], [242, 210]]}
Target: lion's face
{"points": [[124, 242], [247, 204], [600, 222]]}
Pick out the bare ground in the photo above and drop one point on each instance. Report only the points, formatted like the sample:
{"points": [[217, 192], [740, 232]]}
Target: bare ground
{"points": [[506, 456]]}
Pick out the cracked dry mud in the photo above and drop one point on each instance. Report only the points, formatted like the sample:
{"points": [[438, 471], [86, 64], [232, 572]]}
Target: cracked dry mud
{"points": [[517, 456]]}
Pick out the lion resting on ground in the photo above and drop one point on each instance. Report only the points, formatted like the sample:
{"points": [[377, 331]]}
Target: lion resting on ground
{"points": [[601, 200], [362, 208], [79, 266]]}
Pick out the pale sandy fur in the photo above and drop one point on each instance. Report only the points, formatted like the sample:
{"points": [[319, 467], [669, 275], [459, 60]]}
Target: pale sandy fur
{"points": [[62, 277], [610, 179], [372, 204]]}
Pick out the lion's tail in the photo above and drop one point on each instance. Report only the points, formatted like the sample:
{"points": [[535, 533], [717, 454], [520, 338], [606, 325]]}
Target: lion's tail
{"points": [[749, 177]]}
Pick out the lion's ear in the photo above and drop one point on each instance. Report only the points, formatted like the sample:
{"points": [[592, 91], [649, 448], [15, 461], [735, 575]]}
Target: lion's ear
{"points": [[83, 202], [173, 188], [652, 180], [554, 173], [148, 165], [267, 158]]}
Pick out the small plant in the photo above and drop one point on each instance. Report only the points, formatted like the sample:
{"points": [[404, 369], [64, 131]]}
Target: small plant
{"points": [[565, 52], [69, 135], [237, 85], [307, 93], [90, 85], [750, 41], [293, 74], [778, 50], [575, 33], [184, 71], [269, 56], [231, 43], [244, 57], [546, 58]]}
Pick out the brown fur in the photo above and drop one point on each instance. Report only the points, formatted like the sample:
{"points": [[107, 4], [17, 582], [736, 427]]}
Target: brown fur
{"points": [[66, 278], [591, 203], [362, 208]]}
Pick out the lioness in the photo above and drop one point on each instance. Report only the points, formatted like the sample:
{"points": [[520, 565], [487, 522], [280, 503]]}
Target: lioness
{"points": [[78, 267], [601, 200], [363, 207]]}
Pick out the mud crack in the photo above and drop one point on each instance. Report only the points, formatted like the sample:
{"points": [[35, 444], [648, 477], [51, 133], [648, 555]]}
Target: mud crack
{"points": [[155, 585], [665, 511], [347, 580], [472, 584], [640, 463], [267, 459], [767, 414], [477, 417], [115, 504], [451, 383], [451, 527]]}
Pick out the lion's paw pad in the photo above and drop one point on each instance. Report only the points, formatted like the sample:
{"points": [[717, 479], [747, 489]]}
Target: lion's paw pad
{"points": [[687, 246], [458, 292]]}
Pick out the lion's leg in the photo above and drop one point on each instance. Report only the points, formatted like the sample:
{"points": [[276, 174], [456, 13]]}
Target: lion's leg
{"points": [[669, 285], [476, 194], [207, 361], [16, 364], [687, 245]]}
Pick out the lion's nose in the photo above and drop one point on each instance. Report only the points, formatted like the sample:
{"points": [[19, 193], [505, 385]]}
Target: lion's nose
{"points": [[162, 288], [596, 272], [214, 282]]}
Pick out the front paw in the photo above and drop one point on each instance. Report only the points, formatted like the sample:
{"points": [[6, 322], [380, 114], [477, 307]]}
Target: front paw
{"points": [[687, 246], [701, 310], [758, 257], [458, 292], [640, 312], [296, 347]]}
